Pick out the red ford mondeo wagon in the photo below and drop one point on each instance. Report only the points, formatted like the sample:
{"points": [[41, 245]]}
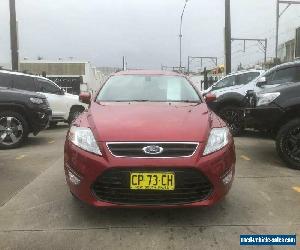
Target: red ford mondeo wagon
{"points": [[149, 139]]}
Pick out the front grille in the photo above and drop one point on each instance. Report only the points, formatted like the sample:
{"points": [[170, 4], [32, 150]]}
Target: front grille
{"points": [[178, 149], [190, 186]]}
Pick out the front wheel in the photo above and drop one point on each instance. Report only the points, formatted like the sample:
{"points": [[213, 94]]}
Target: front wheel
{"points": [[288, 143], [13, 129], [52, 124], [233, 116]]}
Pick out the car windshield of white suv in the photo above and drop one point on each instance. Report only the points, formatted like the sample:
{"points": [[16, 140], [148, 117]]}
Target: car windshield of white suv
{"points": [[225, 82], [148, 88]]}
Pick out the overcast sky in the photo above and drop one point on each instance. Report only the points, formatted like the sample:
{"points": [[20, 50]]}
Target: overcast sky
{"points": [[145, 31]]}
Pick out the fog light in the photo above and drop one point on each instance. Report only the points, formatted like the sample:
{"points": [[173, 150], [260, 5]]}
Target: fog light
{"points": [[41, 115], [73, 178], [227, 178]]}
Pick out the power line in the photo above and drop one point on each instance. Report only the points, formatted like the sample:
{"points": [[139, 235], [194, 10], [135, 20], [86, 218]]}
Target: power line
{"points": [[278, 15]]}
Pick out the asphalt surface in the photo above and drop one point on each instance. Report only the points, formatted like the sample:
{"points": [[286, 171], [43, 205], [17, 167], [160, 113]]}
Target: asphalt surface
{"points": [[38, 212]]}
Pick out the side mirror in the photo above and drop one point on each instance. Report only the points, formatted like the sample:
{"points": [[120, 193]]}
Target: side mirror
{"points": [[261, 81], [62, 92], [85, 97], [210, 97]]}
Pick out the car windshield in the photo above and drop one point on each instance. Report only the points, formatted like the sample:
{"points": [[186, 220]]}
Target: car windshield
{"points": [[148, 88]]}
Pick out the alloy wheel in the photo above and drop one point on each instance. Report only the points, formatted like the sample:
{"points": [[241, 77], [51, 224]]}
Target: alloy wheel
{"points": [[11, 130]]}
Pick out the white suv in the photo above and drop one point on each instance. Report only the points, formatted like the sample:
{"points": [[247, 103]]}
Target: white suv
{"points": [[65, 107], [230, 92], [239, 82]]}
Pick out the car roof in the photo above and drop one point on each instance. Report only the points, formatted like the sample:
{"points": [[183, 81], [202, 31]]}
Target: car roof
{"points": [[283, 65], [148, 72], [246, 71], [281, 87], [22, 74]]}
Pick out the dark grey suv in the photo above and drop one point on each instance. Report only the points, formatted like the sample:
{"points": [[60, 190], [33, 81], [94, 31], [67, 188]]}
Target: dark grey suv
{"points": [[21, 112]]}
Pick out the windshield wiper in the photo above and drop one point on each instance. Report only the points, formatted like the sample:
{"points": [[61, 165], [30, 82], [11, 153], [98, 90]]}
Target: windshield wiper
{"points": [[189, 101], [142, 100]]}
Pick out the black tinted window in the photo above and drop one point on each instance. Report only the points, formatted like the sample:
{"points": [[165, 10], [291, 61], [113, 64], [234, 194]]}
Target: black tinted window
{"points": [[47, 86], [247, 77], [5, 80], [283, 76], [23, 82]]}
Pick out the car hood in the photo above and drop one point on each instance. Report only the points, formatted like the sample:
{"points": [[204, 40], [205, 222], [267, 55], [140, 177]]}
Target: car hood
{"points": [[74, 100], [149, 121], [279, 88], [74, 97], [23, 92]]}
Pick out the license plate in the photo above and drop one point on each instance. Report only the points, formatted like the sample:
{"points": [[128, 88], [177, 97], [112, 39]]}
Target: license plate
{"points": [[152, 181]]}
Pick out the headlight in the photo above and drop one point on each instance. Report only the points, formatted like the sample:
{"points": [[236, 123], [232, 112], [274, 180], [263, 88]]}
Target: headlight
{"points": [[36, 100], [84, 139], [266, 98], [218, 138]]}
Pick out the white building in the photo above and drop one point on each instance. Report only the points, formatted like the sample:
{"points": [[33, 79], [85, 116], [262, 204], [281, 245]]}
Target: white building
{"points": [[72, 75]]}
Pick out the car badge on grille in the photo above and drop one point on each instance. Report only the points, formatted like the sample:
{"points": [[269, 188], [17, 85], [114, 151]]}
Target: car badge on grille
{"points": [[153, 150]]}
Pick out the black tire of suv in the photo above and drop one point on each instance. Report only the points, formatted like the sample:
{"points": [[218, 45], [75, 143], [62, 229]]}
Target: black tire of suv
{"points": [[283, 135], [236, 126], [24, 125], [74, 113], [52, 124]]}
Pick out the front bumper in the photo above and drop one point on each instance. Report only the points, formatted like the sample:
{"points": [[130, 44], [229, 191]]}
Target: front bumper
{"points": [[213, 106], [263, 117], [88, 167], [40, 120]]}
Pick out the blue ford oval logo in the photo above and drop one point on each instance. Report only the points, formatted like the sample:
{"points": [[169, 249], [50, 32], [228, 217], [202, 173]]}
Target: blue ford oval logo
{"points": [[153, 150]]}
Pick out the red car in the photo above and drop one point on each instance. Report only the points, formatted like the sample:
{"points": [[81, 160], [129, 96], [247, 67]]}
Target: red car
{"points": [[149, 139]]}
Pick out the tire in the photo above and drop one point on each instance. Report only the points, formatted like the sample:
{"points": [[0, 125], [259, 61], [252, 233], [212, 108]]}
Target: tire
{"points": [[288, 143], [13, 129], [52, 124], [233, 116], [74, 113]]}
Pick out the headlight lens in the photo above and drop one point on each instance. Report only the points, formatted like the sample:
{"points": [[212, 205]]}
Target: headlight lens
{"points": [[218, 138], [36, 100], [263, 99], [84, 139]]}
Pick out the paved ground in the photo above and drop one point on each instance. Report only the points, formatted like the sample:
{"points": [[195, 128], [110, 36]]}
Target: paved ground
{"points": [[37, 211]]}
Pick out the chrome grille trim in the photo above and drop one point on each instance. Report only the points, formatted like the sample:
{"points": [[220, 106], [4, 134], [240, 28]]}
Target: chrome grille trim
{"points": [[152, 143]]}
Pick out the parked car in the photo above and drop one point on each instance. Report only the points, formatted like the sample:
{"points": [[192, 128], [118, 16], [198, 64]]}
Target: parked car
{"points": [[65, 107], [149, 139], [21, 113], [234, 82], [230, 105], [278, 109], [230, 92]]}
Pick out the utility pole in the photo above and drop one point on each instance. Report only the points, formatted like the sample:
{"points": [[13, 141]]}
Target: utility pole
{"points": [[262, 42], [266, 50], [124, 63], [180, 36], [278, 15], [227, 35], [13, 36], [277, 28]]}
